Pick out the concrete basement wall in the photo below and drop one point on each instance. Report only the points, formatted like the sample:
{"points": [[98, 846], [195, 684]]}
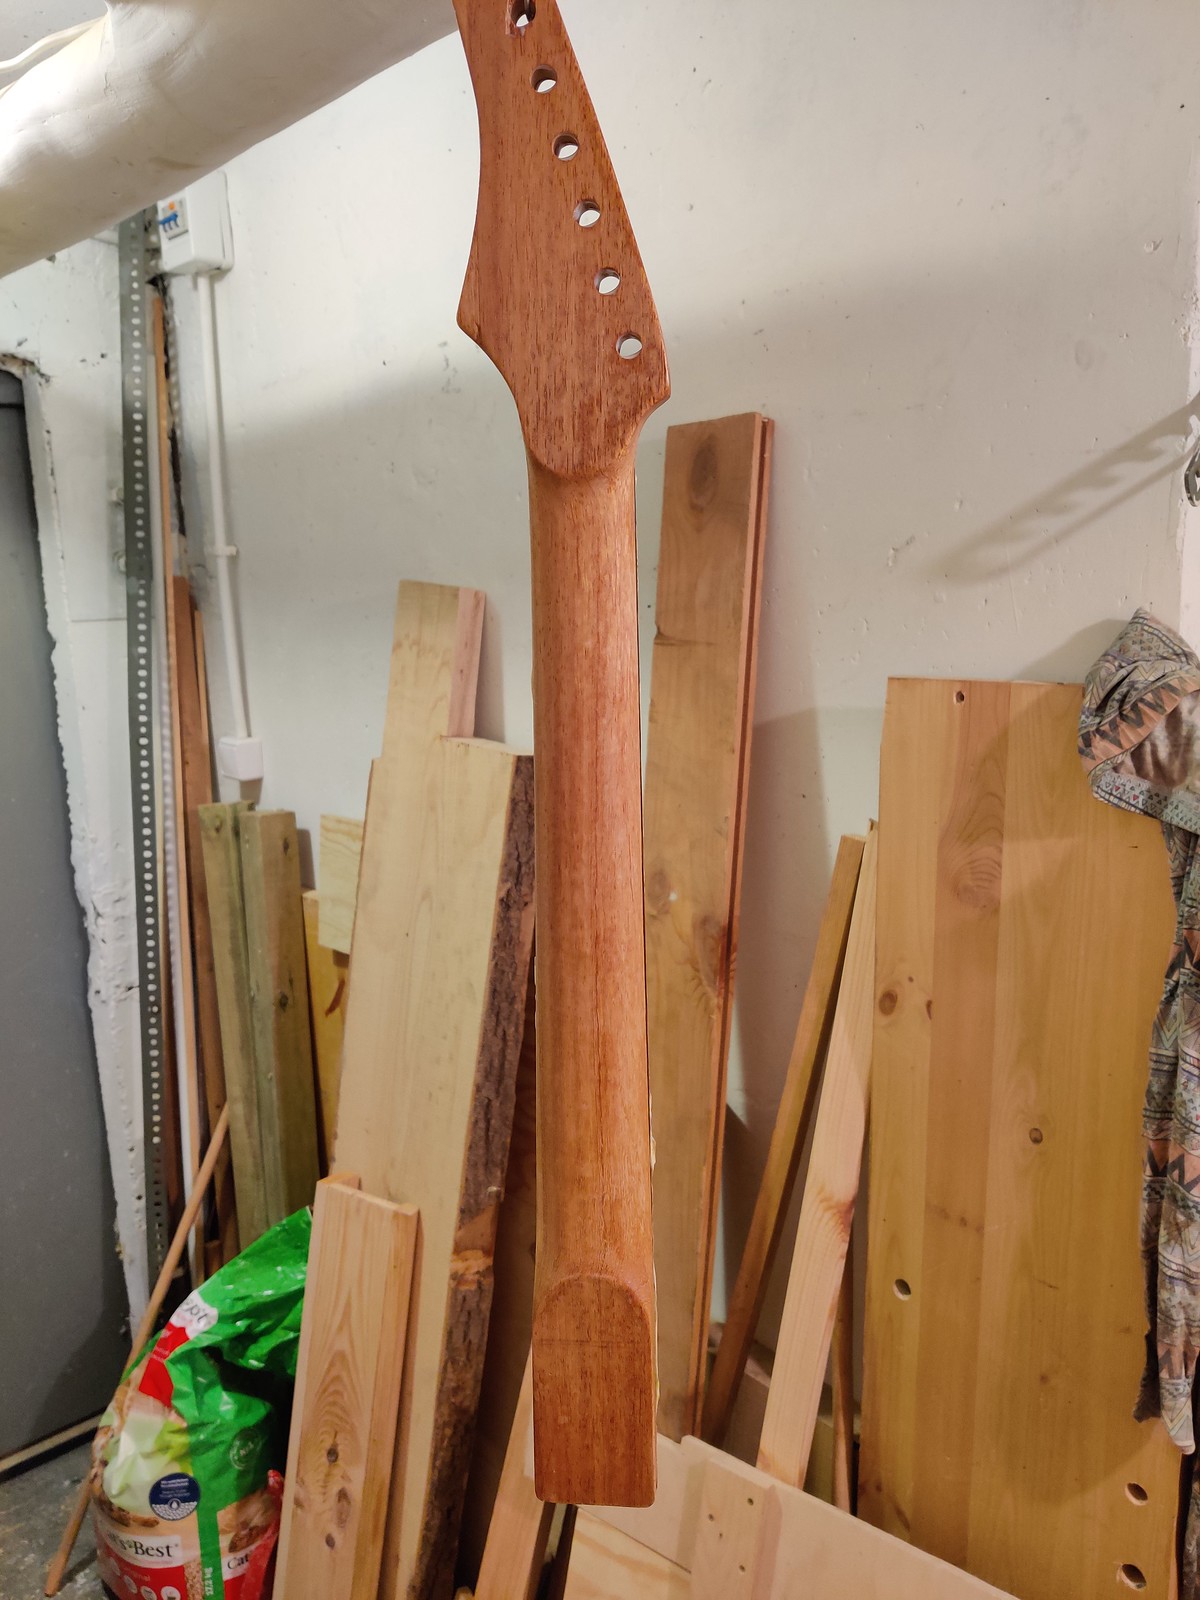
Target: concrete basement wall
{"points": [[948, 248]]}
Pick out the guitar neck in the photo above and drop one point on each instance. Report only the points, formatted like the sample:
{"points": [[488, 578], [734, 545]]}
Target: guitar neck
{"points": [[593, 1335]]}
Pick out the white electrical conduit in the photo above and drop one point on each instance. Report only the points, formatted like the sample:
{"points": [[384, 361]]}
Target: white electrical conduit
{"points": [[159, 92], [221, 548]]}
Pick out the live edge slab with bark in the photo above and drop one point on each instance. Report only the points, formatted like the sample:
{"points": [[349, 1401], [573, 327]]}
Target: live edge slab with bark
{"points": [[438, 973]]}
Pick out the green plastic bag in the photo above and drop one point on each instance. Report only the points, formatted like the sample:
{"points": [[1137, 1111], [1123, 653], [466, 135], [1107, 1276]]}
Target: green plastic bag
{"points": [[189, 1455]]}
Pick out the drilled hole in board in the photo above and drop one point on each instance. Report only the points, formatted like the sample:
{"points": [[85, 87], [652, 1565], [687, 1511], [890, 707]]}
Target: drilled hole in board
{"points": [[902, 1289], [629, 346], [544, 79], [1132, 1577], [959, 697], [1136, 1493], [587, 213], [566, 147], [608, 280], [523, 13]]}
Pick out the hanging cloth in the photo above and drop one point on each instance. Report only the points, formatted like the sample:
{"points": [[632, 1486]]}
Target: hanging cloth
{"points": [[1139, 739]]}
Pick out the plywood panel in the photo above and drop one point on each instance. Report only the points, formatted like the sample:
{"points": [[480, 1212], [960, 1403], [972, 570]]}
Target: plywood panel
{"points": [[697, 762], [1022, 936]]}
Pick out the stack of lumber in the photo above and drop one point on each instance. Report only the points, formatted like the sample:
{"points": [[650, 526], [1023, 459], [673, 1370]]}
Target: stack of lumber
{"points": [[964, 981], [252, 871], [442, 932]]}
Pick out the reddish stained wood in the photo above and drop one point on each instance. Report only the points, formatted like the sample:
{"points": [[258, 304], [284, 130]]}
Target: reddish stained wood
{"points": [[533, 301]]}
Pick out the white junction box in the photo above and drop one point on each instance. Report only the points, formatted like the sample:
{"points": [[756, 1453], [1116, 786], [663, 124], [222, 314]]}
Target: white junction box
{"points": [[193, 227]]}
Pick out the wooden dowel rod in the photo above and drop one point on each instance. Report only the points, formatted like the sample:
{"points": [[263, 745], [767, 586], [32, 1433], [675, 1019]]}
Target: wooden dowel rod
{"points": [[54, 1574]]}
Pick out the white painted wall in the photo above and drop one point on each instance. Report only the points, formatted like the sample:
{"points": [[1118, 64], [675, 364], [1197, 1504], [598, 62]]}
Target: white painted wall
{"points": [[948, 248], [59, 321]]}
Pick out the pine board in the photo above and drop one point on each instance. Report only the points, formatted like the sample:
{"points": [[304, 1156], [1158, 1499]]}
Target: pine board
{"points": [[442, 934], [520, 1526], [196, 780], [283, 1062], [347, 1395], [806, 1550], [1023, 933], [827, 1211], [337, 879], [697, 757], [231, 971], [608, 1565], [792, 1123], [328, 987]]}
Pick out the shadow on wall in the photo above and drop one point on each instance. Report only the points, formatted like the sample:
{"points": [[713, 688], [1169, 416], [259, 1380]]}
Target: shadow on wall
{"points": [[1077, 501]]}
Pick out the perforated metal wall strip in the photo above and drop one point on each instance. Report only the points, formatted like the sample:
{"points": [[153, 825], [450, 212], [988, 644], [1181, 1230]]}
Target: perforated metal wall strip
{"points": [[136, 392]]}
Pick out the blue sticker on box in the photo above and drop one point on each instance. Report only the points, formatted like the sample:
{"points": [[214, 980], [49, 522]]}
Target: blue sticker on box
{"points": [[174, 1497]]}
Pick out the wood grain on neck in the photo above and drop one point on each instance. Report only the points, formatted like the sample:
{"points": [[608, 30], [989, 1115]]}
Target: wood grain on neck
{"points": [[555, 292]]}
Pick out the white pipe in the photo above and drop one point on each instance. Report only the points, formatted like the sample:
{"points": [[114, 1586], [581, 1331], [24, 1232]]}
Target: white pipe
{"points": [[221, 547], [159, 92]]}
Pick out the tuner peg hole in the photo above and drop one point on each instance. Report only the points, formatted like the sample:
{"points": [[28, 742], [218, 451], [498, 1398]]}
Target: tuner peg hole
{"points": [[587, 213], [523, 13], [566, 148], [629, 346], [608, 280], [544, 79]]}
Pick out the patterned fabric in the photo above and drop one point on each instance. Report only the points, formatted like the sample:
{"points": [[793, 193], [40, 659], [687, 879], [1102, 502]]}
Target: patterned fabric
{"points": [[1139, 739]]}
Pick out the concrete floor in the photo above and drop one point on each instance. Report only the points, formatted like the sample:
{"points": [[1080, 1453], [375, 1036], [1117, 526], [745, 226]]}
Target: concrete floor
{"points": [[34, 1506]]}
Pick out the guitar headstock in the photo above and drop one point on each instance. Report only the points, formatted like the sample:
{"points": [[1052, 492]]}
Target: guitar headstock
{"points": [[555, 291]]}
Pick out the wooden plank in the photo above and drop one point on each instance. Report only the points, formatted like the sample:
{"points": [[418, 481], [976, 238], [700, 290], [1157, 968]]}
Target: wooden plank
{"points": [[608, 1565], [53, 1441], [231, 972], [179, 942], [337, 880], [1003, 1272], [842, 1366], [696, 771], [442, 934], [520, 1527], [737, 1538], [195, 777], [347, 1395], [787, 1142], [510, 1325], [826, 1214], [820, 1553], [328, 987], [283, 1063]]}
